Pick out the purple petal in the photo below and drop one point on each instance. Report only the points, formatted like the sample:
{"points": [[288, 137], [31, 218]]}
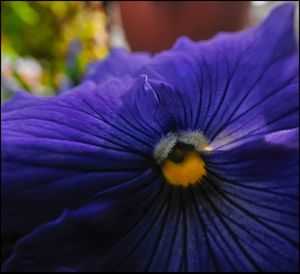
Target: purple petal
{"points": [[59, 151], [88, 231], [241, 218], [117, 64], [236, 86]]}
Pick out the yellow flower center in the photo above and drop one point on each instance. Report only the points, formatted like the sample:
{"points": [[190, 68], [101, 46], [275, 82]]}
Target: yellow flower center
{"points": [[179, 155], [183, 168]]}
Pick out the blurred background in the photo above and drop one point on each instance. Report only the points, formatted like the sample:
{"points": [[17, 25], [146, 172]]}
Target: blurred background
{"points": [[46, 45]]}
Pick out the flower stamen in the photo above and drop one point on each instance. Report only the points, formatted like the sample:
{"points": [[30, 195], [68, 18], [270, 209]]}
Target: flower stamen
{"points": [[179, 157], [186, 172]]}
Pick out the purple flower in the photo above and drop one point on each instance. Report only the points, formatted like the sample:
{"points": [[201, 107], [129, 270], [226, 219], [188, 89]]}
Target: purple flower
{"points": [[185, 161]]}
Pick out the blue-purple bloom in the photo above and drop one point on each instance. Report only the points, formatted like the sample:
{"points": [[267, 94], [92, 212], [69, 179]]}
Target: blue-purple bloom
{"points": [[82, 181]]}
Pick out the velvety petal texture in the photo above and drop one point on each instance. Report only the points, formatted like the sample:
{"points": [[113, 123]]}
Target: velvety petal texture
{"points": [[119, 63], [230, 85], [81, 190]]}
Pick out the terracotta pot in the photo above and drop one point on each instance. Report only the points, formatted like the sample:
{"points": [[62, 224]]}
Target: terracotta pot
{"points": [[155, 25]]}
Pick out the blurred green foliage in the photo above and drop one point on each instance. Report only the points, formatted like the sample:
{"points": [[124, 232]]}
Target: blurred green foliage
{"points": [[46, 45]]}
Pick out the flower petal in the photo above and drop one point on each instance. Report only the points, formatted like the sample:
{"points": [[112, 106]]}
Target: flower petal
{"points": [[59, 151], [241, 218], [254, 192], [88, 231], [236, 86], [117, 64]]}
